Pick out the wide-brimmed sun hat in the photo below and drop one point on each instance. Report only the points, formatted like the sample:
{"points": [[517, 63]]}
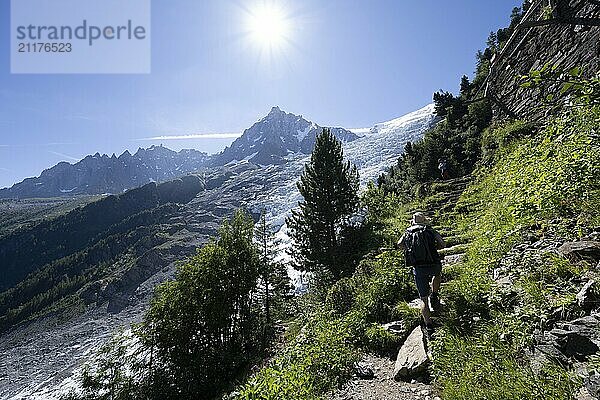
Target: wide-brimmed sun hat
{"points": [[419, 218]]}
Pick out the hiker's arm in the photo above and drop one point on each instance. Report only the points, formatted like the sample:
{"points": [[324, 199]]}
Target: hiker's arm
{"points": [[400, 244]]}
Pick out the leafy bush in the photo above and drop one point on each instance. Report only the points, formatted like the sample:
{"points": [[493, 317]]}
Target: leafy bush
{"points": [[379, 340], [383, 282], [341, 296]]}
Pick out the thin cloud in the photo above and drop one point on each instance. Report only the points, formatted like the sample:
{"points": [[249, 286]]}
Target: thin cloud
{"points": [[5, 169], [57, 144], [68, 157], [196, 136], [79, 118]]}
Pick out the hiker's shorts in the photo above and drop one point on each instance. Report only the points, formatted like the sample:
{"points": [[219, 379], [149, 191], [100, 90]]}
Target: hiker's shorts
{"points": [[423, 277]]}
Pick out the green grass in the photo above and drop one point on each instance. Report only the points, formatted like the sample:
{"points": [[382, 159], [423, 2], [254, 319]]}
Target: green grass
{"points": [[484, 367], [547, 184], [319, 359]]}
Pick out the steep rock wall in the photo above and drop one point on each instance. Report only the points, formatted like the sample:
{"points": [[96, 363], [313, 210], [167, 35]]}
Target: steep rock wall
{"points": [[559, 32]]}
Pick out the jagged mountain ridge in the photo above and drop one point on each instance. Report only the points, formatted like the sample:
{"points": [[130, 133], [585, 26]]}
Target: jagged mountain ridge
{"points": [[99, 174], [272, 140], [274, 137], [267, 142]]}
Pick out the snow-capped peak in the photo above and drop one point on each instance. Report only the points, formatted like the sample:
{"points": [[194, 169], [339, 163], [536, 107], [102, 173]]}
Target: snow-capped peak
{"points": [[275, 137]]}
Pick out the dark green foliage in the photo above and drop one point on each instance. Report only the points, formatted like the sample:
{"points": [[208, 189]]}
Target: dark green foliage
{"points": [[329, 186], [66, 276], [202, 324], [443, 101], [21, 214], [457, 139], [25, 251]]}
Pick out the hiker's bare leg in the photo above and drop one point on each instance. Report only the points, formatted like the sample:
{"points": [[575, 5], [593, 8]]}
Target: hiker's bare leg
{"points": [[425, 310], [435, 286]]}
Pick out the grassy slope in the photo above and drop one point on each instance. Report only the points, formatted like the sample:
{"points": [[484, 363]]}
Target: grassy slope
{"points": [[547, 184]]}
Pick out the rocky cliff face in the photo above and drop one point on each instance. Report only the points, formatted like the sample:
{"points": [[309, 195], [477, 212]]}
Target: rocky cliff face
{"points": [[562, 38], [98, 174]]}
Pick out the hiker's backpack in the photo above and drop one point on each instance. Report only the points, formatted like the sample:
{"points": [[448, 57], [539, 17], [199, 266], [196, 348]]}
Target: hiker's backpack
{"points": [[420, 248]]}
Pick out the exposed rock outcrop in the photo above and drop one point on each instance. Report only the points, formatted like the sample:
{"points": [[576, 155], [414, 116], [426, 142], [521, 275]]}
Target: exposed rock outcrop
{"points": [[412, 358], [581, 250], [588, 297]]}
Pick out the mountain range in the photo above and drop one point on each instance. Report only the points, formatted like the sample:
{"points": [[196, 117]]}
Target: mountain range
{"points": [[268, 142], [100, 174]]}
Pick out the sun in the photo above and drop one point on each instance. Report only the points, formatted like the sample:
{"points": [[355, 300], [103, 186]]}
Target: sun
{"points": [[268, 25]]}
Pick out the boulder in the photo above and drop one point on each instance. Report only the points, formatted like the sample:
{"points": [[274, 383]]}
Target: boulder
{"points": [[581, 250], [579, 338], [574, 344], [588, 297], [412, 360], [395, 327], [364, 370]]}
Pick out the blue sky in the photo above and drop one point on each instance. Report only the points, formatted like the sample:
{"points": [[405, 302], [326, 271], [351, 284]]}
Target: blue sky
{"points": [[348, 63]]}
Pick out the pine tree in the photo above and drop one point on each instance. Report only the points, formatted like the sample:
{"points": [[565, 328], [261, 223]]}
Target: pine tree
{"points": [[274, 280], [329, 186]]}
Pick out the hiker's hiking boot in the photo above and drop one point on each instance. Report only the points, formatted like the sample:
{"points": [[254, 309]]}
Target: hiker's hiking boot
{"points": [[434, 302]]}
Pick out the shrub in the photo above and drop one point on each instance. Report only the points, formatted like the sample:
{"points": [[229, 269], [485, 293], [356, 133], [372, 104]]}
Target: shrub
{"points": [[321, 358]]}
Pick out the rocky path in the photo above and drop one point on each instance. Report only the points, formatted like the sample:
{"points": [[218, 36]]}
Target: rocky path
{"points": [[382, 385]]}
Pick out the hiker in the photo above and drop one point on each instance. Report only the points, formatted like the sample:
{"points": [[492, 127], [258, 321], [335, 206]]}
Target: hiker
{"points": [[420, 243], [443, 167]]}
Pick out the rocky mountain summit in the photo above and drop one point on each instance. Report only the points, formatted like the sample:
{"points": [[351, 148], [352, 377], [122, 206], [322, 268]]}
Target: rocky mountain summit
{"points": [[268, 142], [99, 174], [275, 137]]}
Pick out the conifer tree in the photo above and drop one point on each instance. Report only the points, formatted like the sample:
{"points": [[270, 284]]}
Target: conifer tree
{"points": [[329, 186], [274, 280]]}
